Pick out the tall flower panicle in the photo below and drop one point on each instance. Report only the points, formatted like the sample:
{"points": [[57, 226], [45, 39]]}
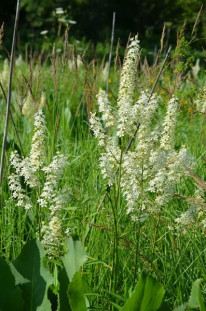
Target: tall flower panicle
{"points": [[97, 128], [169, 125], [53, 237], [18, 193], [50, 197], [136, 163], [5, 74], [53, 174], [200, 102], [43, 100], [29, 173], [38, 146], [167, 171], [152, 168], [110, 160], [126, 88], [105, 108], [29, 106], [52, 233]]}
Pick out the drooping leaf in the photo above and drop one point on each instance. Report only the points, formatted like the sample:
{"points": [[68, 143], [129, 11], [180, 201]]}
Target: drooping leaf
{"points": [[10, 295], [33, 278], [63, 291], [196, 300], [76, 295], [147, 296], [74, 258]]}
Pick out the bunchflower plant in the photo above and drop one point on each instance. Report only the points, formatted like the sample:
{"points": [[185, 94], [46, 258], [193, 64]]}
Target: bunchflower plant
{"points": [[152, 168], [44, 180]]}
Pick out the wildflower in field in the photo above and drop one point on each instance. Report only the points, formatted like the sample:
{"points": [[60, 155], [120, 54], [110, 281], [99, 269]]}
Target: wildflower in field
{"points": [[53, 198], [105, 108], [126, 88], [15, 186], [44, 32], [42, 101], [38, 145], [135, 164], [53, 174], [200, 102], [104, 73], [19, 61], [169, 125], [18, 192], [153, 168], [75, 63], [5, 74], [196, 68], [59, 11], [195, 216], [97, 128], [53, 238], [28, 108], [110, 160], [49, 197]]}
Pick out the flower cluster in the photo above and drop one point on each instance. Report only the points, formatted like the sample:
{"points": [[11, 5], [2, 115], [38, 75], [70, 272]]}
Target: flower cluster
{"points": [[49, 197], [53, 174], [38, 146], [126, 89], [195, 216], [53, 237], [151, 170]]}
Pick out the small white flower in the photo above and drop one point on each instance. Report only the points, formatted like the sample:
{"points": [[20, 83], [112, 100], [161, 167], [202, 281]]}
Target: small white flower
{"points": [[44, 32], [59, 11]]}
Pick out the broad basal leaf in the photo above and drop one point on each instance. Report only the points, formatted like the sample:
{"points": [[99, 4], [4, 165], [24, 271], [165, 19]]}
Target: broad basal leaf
{"points": [[76, 296], [196, 300], [33, 277], [75, 257], [10, 294], [63, 291], [147, 296]]}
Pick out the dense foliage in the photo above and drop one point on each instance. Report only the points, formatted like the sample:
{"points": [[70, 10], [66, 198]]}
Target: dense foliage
{"points": [[94, 19]]}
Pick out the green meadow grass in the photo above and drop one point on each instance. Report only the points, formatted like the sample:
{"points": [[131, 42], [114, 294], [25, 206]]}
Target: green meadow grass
{"points": [[175, 258]]}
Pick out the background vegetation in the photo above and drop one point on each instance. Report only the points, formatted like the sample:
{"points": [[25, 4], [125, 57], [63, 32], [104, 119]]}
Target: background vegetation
{"points": [[94, 19]]}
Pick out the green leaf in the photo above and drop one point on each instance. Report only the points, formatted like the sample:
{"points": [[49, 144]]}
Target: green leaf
{"points": [[147, 296], [76, 295], [71, 296], [63, 291], [10, 295], [196, 300], [33, 277], [181, 308], [75, 257]]}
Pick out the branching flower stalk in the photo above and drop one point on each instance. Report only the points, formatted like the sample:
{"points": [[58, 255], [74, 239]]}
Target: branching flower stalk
{"points": [[151, 170], [50, 199], [118, 120]]}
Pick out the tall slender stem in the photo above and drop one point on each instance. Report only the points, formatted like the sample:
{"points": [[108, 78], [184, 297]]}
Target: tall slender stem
{"points": [[12, 120], [110, 52], [9, 91]]}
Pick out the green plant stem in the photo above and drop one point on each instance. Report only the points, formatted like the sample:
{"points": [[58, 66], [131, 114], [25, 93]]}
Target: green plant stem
{"points": [[9, 91]]}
